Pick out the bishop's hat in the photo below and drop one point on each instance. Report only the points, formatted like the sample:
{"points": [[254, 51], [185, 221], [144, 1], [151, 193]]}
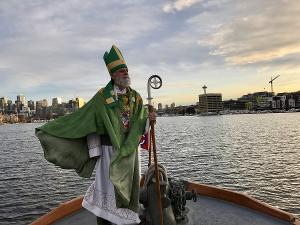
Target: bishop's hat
{"points": [[114, 60]]}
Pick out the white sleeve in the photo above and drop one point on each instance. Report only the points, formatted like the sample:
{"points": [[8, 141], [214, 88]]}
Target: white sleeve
{"points": [[94, 145], [147, 126]]}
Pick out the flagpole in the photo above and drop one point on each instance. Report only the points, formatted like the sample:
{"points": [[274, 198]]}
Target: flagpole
{"points": [[155, 82]]}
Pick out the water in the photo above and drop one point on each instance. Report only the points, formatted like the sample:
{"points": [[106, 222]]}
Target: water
{"points": [[256, 154]]}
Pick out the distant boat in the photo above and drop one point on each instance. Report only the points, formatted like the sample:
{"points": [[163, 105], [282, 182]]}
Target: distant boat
{"points": [[214, 206]]}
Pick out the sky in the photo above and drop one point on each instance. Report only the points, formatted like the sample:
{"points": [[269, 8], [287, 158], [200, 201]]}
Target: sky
{"points": [[54, 48]]}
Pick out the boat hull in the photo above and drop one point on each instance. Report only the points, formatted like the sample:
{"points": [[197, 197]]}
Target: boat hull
{"points": [[215, 206]]}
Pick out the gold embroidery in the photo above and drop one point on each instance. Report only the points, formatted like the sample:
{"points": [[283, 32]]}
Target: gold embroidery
{"points": [[113, 64], [110, 100], [101, 91], [118, 52], [138, 98]]}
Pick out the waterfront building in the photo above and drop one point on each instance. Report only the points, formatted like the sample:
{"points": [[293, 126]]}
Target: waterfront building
{"points": [[210, 102], [24, 113], [21, 98], [44, 103], [296, 96], [278, 102], [31, 105], [25, 109], [160, 110], [10, 106], [72, 104], [56, 101], [172, 105], [41, 108], [234, 105], [79, 102], [3, 104], [291, 103], [259, 100], [38, 105], [286, 101], [266, 100], [18, 105], [159, 106]]}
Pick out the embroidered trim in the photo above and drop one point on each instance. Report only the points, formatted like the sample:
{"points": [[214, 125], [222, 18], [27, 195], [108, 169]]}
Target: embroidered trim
{"points": [[110, 100], [107, 202]]}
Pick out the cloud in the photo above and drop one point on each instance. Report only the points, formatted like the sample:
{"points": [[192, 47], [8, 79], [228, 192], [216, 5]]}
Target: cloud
{"points": [[257, 34], [55, 42], [179, 5], [55, 47]]}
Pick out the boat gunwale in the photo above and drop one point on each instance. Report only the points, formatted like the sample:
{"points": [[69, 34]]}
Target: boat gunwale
{"points": [[63, 210], [241, 199]]}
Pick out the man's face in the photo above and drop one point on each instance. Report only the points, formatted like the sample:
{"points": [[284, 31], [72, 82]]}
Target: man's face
{"points": [[121, 78]]}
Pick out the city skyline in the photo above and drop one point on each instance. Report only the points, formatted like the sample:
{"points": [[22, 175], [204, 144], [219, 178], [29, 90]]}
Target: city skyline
{"points": [[55, 48], [155, 102], [209, 104]]}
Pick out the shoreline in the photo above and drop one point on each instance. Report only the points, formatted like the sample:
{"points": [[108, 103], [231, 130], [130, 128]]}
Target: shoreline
{"points": [[223, 113], [3, 123]]}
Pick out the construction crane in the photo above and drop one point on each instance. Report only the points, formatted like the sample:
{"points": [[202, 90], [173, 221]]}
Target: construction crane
{"points": [[271, 82]]}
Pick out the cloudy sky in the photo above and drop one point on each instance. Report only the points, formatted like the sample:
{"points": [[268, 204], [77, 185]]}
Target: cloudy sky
{"points": [[54, 48]]}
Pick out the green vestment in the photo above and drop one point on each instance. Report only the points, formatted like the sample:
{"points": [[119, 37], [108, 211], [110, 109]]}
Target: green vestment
{"points": [[65, 144]]}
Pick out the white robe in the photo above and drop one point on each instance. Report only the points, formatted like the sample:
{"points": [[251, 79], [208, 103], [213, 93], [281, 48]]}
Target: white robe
{"points": [[100, 196]]}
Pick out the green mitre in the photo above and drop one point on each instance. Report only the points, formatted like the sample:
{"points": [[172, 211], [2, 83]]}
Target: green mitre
{"points": [[114, 60]]}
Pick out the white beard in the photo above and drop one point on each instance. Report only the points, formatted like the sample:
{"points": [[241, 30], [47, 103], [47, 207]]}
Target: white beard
{"points": [[122, 82]]}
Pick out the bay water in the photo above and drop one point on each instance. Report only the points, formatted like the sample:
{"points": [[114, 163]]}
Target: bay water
{"points": [[257, 154]]}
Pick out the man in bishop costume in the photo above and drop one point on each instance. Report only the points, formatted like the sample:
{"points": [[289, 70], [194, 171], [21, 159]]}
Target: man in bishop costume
{"points": [[103, 134]]}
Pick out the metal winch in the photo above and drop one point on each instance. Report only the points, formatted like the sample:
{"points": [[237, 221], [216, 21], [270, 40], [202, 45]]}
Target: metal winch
{"points": [[173, 199]]}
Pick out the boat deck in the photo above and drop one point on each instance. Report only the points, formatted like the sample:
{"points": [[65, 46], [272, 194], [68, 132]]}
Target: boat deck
{"points": [[215, 206], [82, 217], [212, 211], [206, 211]]}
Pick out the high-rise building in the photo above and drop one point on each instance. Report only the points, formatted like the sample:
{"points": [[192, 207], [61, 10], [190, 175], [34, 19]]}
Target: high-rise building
{"points": [[38, 105], [72, 105], [41, 108], [44, 103], [3, 104], [41, 104], [56, 101], [159, 106], [31, 105], [25, 109], [172, 105], [210, 102], [80, 102], [21, 98], [9, 105]]}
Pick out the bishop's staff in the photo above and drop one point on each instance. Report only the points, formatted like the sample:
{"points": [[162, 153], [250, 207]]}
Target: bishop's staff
{"points": [[155, 82]]}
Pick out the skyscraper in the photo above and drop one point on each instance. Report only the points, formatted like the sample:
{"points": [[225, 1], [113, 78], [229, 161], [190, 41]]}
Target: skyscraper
{"points": [[56, 101], [159, 106], [3, 104], [45, 103], [80, 102], [31, 105], [21, 98]]}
